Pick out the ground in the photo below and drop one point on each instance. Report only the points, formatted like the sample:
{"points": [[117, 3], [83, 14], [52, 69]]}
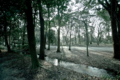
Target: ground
{"points": [[14, 66]]}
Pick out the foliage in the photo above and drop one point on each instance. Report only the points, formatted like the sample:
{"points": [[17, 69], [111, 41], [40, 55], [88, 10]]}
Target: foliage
{"points": [[52, 36], [104, 15]]}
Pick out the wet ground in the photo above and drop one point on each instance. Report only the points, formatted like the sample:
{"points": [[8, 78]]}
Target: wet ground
{"points": [[18, 67], [85, 69], [99, 63], [66, 65]]}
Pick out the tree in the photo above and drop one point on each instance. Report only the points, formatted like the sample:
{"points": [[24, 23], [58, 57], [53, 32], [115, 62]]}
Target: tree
{"points": [[70, 29], [49, 4], [116, 44], [42, 52], [31, 35], [113, 9], [86, 29], [60, 8]]}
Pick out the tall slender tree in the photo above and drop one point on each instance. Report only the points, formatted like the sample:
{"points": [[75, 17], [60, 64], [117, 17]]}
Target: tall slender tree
{"points": [[31, 34], [42, 52], [86, 28]]}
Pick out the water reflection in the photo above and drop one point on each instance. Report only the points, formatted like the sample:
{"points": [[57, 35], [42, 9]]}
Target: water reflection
{"points": [[92, 71], [53, 61], [85, 69]]}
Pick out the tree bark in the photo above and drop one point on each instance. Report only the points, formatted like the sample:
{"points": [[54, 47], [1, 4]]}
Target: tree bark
{"points": [[58, 46], [70, 42], [49, 28], [42, 52], [59, 22], [86, 28], [111, 8], [45, 41], [31, 35], [98, 38], [116, 45]]}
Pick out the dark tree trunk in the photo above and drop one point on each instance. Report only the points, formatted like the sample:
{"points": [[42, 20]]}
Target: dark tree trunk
{"points": [[5, 31], [70, 42], [58, 46], [59, 22], [31, 35], [98, 38], [42, 52], [86, 28], [114, 31], [0, 43], [112, 13], [45, 41]]}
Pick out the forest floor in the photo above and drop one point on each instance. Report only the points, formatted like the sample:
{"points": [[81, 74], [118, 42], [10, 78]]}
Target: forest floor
{"points": [[14, 66]]}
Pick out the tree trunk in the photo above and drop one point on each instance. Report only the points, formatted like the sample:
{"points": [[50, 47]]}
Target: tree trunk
{"points": [[98, 39], [91, 38], [23, 37], [45, 41], [31, 35], [10, 33], [86, 28], [49, 29], [79, 36], [114, 31], [59, 22], [70, 42], [5, 31], [75, 40], [79, 39], [42, 52], [112, 13], [58, 46], [0, 43]]}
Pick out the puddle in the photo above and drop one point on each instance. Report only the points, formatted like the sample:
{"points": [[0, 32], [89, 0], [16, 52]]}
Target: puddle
{"points": [[80, 68]]}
